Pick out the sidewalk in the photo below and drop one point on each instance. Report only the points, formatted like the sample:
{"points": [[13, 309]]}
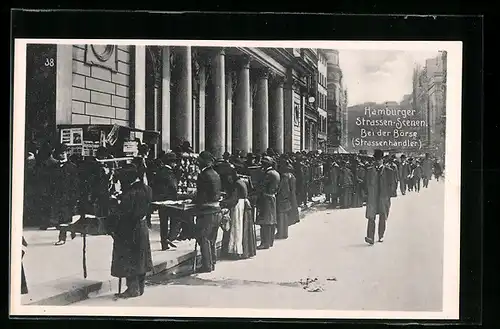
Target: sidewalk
{"points": [[55, 273]]}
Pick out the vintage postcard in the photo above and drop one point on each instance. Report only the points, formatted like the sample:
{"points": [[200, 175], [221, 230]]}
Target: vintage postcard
{"points": [[267, 179]]}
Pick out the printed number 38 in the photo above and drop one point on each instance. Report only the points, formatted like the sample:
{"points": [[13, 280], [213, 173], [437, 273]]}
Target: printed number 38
{"points": [[49, 62]]}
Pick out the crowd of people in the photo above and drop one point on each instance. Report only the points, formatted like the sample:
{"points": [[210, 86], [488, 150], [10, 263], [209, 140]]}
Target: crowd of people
{"points": [[234, 193]]}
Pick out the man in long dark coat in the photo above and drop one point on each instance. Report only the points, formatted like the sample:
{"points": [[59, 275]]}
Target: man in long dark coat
{"points": [[404, 173], [334, 176], [208, 193], [266, 203], [65, 191], [299, 170], [379, 187], [284, 205], [347, 184], [165, 188], [426, 170], [293, 216], [359, 184], [45, 163], [131, 248]]}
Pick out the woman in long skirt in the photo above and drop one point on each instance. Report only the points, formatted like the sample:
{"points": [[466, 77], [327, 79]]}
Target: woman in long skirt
{"points": [[241, 242]]}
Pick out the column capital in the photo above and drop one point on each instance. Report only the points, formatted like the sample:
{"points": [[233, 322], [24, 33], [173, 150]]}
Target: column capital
{"points": [[216, 51], [243, 61], [278, 81], [262, 73]]}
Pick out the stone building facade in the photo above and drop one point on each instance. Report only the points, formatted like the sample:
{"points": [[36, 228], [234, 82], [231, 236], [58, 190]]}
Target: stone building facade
{"points": [[336, 101], [322, 97], [429, 99], [218, 99]]}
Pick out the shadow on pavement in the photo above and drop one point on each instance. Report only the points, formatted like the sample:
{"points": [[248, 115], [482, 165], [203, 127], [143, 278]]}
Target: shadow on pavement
{"points": [[194, 280]]}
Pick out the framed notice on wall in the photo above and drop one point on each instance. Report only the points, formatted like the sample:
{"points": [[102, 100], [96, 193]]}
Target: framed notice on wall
{"points": [[105, 56], [72, 136]]}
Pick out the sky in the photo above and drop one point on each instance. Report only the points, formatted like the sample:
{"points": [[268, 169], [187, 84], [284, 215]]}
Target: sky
{"points": [[379, 75]]}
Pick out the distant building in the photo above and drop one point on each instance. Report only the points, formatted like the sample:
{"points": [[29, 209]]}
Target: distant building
{"points": [[336, 100], [322, 100], [429, 99]]}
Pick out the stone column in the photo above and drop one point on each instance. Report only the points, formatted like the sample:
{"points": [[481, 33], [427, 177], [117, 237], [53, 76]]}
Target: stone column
{"points": [[229, 111], [276, 116], [242, 115], [202, 76], [261, 113], [140, 89], [183, 111], [165, 99], [216, 112]]}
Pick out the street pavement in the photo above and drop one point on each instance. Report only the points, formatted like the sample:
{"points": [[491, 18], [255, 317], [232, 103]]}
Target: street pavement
{"points": [[324, 265]]}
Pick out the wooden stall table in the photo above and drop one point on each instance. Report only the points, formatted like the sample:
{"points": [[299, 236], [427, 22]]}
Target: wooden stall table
{"points": [[184, 210]]}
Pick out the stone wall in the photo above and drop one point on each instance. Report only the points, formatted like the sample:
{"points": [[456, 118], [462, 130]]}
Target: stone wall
{"points": [[101, 96]]}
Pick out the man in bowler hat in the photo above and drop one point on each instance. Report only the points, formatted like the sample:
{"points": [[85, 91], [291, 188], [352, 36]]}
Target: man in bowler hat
{"points": [[379, 180]]}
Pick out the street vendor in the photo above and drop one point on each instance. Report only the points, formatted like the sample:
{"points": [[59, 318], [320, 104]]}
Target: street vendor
{"points": [[165, 188], [131, 247], [208, 193], [64, 192]]}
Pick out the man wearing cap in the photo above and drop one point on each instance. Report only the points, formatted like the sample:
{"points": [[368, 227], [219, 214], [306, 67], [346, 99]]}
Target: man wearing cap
{"points": [[131, 248], [165, 188], [379, 187], [266, 204], [208, 193], [64, 188]]}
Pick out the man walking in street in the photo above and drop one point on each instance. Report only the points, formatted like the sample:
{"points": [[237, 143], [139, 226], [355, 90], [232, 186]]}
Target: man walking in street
{"points": [[208, 193], [379, 186], [266, 203]]}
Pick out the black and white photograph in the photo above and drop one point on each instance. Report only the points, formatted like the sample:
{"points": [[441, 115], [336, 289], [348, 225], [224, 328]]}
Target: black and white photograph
{"points": [[260, 179]]}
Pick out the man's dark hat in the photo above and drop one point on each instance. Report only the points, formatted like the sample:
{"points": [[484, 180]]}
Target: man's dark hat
{"points": [[60, 148], [128, 171], [206, 156], [267, 160], [143, 148], [378, 154], [169, 157]]}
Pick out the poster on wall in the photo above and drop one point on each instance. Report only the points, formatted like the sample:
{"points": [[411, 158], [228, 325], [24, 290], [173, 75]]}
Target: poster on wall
{"points": [[72, 136], [113, 135], [76, 136], [130, 148], [65, 136]]}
